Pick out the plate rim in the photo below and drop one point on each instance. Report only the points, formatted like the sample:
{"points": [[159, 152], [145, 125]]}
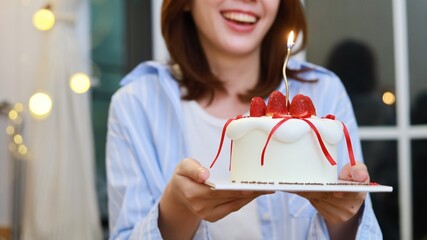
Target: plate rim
{"points": [[339, 186]]}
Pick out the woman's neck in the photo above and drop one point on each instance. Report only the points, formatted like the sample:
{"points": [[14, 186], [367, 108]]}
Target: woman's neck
{"points": [[238, 74]]}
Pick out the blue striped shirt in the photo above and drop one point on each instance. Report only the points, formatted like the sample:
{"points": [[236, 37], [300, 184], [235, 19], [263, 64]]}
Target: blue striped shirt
{"points": [[145, 141]]}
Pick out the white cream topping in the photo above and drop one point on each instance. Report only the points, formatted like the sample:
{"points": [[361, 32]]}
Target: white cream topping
{"points": [[240, 17], [290, 131]]}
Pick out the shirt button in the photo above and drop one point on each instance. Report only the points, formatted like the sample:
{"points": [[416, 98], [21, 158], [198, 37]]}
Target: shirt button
{"points": [[266, 217]]}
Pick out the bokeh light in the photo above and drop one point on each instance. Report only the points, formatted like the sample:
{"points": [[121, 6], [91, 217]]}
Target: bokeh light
{"points": [[13, 114], [17, 139], [40, 104], [80, 83], [22, 149], [10, 130], [43, 19], [19, 107], [389, 98]]}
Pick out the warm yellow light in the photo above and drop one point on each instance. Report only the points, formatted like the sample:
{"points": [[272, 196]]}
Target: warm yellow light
{"points": [[40, 104], [43, 19], [10, 130], [389, 98], [13, 114], [17, 139], [19, 107], [22, 149], [80, 83]]}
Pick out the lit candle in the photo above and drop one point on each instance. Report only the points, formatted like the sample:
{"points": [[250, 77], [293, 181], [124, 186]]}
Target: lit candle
{"points": [[288, 53]]}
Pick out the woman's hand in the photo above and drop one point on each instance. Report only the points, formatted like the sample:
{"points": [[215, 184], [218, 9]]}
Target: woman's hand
{"points": [[340, 209], [187, 200]]}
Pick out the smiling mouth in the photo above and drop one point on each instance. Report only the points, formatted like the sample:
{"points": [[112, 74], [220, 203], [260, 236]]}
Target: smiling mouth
{"points": [[240, 18]]}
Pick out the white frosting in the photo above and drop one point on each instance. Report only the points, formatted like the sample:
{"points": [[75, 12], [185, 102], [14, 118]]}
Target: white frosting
{"points": [[293, 153]]}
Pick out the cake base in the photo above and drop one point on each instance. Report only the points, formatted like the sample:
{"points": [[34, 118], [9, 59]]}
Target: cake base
{"points": [[339, 186], [292, 154]]}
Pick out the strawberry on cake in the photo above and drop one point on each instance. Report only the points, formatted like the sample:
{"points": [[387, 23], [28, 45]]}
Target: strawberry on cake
{"points": [[282, 143]]}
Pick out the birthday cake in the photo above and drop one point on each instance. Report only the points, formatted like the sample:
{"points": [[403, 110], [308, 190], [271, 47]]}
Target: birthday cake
{"points": [[284, 143]]}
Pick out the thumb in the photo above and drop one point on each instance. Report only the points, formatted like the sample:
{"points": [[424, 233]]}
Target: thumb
{"points": [[192, 169], [358, 172]]}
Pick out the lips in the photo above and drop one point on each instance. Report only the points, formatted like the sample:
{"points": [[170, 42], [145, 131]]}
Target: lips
{"points": [[240, 17]]}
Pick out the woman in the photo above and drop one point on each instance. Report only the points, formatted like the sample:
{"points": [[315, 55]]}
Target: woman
{"points": [[165, 122]]}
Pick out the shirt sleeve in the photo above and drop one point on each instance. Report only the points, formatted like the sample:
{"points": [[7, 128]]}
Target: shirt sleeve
{"points": [[148, 229], [142, 150], [369, 227], [133, 207], [338, 103]]}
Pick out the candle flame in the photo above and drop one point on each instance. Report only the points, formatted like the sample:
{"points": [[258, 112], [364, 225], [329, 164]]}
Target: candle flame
{"points": [[291, 40], [288, 53]]}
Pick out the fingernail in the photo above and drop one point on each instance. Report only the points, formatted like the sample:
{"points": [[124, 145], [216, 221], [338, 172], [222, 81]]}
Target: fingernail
{"points": [[361, 177], [203, 174]]}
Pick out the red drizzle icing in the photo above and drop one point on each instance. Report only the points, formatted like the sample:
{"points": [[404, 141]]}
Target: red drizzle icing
{"points": [[349, 145], [270, 135], [222, 141], [286, 118], [231, 154], [322, 144]]}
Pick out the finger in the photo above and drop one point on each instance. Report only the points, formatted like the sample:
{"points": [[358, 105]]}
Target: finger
{"points": [[337, 210], [315, 195], [226, 208], [330, 213], [338, 194], [345, 195], [222, 206], [341, 210], [329, 196], [226, 196], [358, 172], [193, 169]]}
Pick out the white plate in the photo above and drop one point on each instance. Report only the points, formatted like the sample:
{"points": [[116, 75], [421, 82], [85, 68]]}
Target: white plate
{"points": [[340, 186]]}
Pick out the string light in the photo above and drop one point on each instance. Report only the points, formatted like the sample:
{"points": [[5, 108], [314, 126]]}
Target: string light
{"points": [[13, 114], [17, 146], [19, 107], [10, 130], [44, 19], [80, 83], [40, 105]]}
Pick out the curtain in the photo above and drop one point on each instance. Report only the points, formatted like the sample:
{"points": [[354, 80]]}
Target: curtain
{"points": [[60, 197]]}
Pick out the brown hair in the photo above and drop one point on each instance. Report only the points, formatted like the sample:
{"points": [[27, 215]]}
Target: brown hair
{"points": [[180, 34]]}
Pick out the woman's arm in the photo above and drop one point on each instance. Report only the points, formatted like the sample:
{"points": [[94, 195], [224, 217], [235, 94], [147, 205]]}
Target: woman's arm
{"points": [[344, 213], [341, 210], [187, 200], [132, 197]]}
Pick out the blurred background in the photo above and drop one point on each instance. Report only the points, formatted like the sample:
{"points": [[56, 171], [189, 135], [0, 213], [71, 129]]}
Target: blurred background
{"points": [[57, 78]]}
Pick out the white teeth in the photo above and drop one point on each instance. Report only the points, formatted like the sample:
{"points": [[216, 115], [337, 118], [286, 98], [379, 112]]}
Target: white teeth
{"points": [[240, 17]]}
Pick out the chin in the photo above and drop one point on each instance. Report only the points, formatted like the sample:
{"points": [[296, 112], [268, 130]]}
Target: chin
{"points": [[239, 48]]}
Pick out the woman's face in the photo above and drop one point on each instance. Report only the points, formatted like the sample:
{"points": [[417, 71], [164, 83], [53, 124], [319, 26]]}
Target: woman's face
{"points": [[233, 27]]}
